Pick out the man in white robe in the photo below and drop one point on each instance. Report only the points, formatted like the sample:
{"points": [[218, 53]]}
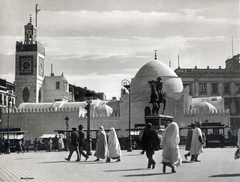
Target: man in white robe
{"points": [[197, 142]]}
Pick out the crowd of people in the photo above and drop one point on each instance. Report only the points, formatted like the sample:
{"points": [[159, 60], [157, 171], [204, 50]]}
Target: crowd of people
{"points": [[22, 146], [19, 145], [106, 148], [49, 144]]}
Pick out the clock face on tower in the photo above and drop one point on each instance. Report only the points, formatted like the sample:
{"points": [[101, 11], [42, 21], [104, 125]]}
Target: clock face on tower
{"points": [[26, 64], [26, 67]]}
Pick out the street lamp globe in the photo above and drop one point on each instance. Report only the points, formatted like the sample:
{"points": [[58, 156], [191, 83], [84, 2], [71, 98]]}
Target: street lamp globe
{"points": [[66, 120], [89, 96]]}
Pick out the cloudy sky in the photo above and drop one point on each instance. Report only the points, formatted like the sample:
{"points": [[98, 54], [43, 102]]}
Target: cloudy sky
{"points": [[98, 43]]}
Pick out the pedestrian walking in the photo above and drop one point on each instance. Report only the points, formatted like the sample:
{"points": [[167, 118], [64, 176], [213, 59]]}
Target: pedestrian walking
{"points": [[114, 149], [39, 145], [73, 145], [26, 145], [237, 153], [55, 143], [50, 144], [23, 144], [140, 138], [60, 143], [1, 146], [81, 142], [238, 138], [20, 146], [170, 155], [197, 142], [150, 143], [101, 147], [35, 143], [189, 141]]}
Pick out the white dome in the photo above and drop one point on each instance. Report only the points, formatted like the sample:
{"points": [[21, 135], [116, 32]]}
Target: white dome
{"points": [[204, 107], [172, 84], [104, 110], [155, 69]]}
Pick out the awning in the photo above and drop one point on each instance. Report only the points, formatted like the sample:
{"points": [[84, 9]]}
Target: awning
{"points": [[50, 135]]}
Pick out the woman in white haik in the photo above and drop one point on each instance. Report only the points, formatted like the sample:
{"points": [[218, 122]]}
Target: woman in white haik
{"points": [[238, 143], [101, 147], [237, 153], [170, 155], [114, 149]]}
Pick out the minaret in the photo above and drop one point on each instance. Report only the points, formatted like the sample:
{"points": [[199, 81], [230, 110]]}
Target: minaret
{"points": [[29, 67]]}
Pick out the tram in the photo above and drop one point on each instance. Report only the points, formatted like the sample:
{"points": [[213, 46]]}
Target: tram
{"points": [[215, 133]]}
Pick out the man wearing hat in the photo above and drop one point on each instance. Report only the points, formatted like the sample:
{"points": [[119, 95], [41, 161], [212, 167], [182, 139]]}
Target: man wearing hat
{"points": [[74, 144], [81, 142], [150, 143]]}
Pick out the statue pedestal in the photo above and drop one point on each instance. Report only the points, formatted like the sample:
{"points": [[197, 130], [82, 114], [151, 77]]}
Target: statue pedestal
{"points": [[158, 121]]}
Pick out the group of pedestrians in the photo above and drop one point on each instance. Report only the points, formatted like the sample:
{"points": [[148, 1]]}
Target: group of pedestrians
{"points": [[106, 147], [169, 143], [76, 144], [18, 145]]}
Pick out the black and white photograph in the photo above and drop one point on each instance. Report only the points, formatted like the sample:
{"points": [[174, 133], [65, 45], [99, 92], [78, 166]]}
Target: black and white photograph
{"points": [[128, 91]]}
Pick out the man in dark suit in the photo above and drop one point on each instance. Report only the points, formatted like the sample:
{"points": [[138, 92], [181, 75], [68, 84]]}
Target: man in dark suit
{"points": [[81, 142], [150, 143], [74, 145]]}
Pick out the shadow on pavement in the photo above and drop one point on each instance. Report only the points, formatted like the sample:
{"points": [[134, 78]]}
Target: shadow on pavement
{"points": [[224, 175], [52, 162], [139, 175], [126, 170], [187, 162], [23, 158]]}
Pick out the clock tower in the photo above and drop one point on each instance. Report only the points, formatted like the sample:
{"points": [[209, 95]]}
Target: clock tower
{"points": [[29, 67]]}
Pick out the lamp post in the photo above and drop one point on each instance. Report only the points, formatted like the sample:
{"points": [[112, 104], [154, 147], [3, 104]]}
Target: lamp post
{"points": [[66, 122], [9, 94], [89, 97], [126, 85]]}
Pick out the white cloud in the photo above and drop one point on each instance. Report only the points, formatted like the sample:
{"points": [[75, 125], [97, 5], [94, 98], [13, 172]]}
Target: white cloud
{"points": [[124, 23], [10, 77]]}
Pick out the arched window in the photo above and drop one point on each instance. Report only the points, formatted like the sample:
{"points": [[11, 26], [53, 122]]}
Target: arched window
{"points": [[147, 111]]}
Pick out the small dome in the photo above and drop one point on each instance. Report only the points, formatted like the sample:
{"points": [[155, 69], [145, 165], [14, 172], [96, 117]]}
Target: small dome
{"points": [[104, 110], [204, 107]]}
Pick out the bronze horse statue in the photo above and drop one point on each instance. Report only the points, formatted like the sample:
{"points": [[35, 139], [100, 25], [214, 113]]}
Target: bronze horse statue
{"points": [[157, 95]]}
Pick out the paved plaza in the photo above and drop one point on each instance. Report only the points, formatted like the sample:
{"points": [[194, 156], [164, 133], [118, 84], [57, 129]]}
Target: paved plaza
{"points": [[217, 164]]}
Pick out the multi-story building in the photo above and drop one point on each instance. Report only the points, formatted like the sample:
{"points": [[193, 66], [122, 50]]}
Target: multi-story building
{"points": [[216, 82], [55, 88], [7, 96]]}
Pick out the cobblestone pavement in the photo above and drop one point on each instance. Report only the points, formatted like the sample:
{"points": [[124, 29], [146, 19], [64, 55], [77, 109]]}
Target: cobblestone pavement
{"points": [[216, 165]]}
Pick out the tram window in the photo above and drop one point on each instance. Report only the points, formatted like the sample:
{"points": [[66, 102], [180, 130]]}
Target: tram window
{"points": [[215, 131], [221, 132], [204, 131], [210, 131]]}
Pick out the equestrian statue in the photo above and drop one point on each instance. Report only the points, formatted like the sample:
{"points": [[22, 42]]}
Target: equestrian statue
{"points": [[157, 95]]}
